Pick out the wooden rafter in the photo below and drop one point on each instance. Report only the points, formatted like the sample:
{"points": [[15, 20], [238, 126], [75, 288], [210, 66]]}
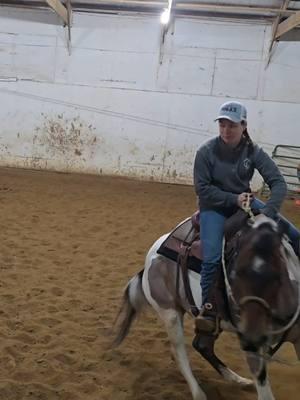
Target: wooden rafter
{"points": [[232, 9], [65, 12], [275, 28], [59, 8], [183, 5], [288, 24]]}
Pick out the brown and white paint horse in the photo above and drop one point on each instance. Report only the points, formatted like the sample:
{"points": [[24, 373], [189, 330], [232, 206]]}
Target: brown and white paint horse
{"points": [[264, 287], [263, 295]]}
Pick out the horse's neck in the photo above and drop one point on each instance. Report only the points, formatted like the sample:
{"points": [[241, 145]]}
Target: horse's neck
{"points": [[289, 297]]}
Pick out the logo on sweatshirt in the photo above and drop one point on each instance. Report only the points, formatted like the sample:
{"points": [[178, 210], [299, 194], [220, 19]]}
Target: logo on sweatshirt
{"points": [[247, 163]]}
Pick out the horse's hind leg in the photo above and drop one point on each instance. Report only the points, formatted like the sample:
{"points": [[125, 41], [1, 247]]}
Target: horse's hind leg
{"points": [[204, 344], [174, 324]]}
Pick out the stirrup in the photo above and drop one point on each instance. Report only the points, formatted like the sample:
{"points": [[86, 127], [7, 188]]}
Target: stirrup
{"points": [[208, 321], [207, 306]]}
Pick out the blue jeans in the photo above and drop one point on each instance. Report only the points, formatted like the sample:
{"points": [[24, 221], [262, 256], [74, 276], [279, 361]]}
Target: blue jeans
{"points": [[211, 232]]}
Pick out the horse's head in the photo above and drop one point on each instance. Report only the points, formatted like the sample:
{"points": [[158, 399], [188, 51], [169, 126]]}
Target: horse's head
{"points": [[260, 283]]}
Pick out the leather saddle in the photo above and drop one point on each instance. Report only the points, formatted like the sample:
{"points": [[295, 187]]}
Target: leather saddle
{"points": [[183, 245], [186, 235]]}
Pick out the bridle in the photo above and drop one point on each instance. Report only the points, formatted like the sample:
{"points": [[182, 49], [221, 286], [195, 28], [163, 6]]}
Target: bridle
{"points": [[255, 299]]}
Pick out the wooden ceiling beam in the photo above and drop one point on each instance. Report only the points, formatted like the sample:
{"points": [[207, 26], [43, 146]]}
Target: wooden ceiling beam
{"points": [[60, 9], [288, 24], [275, 29], [181, 5], [232, 8]]}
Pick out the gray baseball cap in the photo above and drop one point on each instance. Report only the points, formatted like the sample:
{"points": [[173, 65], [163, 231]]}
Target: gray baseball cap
{"points": [[234, 111]]}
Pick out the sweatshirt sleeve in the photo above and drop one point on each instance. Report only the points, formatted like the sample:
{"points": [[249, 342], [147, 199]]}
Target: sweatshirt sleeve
{"points": [[204, 188], [274, 179]]}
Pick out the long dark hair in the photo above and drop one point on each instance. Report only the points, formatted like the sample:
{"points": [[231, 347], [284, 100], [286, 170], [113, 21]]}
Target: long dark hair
{"points": [[249, 141]]}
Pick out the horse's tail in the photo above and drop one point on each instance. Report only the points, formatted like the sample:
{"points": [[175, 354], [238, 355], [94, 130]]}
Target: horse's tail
{"points": [[134, 301]]}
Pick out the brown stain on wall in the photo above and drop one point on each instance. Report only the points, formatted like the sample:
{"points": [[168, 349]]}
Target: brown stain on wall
{"points": [[69, 138]]}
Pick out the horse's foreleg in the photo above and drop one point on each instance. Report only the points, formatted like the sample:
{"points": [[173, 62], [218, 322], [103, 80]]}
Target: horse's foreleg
{"points": [[174, 324], [204, 344], [264, 391], [259, 371]]}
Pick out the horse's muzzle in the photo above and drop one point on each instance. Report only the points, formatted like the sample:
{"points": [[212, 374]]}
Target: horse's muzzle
{"points": [[252, 345]]}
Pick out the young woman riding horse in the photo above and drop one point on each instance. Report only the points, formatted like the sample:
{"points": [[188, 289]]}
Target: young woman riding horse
{"points": [[223, 169], [263, 314]]}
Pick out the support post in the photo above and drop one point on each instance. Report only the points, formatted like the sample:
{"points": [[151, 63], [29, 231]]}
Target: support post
{"points": [[69, 11], [167, 13]]}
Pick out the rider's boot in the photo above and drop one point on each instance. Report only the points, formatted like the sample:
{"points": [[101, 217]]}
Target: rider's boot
{"points": [[207, 327], [207, 321]]}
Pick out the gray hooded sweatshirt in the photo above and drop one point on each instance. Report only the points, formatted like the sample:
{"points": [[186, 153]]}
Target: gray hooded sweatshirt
{"points": [[221, 173]]}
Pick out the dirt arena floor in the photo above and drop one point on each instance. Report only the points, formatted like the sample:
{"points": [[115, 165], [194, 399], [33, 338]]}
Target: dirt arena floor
{"points": [[69, 243]]}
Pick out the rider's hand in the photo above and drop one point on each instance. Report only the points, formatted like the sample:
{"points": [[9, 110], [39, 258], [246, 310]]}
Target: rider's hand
{"points": [[242, 199]]}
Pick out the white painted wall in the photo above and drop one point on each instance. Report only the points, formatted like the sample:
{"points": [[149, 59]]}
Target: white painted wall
{"points": [[112, 108]]}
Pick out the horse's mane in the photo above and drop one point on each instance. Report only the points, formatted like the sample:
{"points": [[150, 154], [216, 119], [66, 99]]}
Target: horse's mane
{"points": [[292, 261]]}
